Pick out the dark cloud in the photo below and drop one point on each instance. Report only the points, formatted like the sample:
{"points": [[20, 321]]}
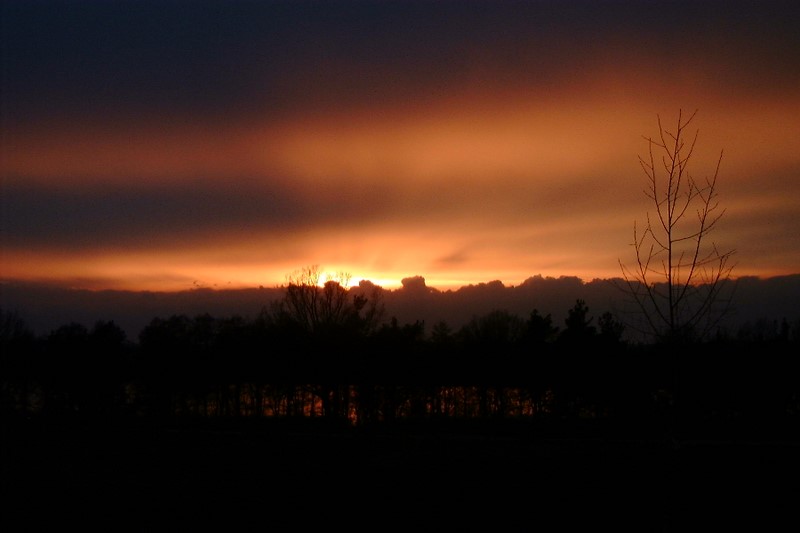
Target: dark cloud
{"points": [[177, 89], [118, 217], [227, 60], [122, 216], [455, 258]]}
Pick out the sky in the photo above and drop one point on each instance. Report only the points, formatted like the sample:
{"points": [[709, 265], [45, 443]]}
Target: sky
{"points": [[171, 145]]}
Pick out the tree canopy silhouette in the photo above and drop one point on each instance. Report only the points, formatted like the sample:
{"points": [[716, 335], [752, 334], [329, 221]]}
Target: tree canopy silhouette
{"points": [[321, 308]]}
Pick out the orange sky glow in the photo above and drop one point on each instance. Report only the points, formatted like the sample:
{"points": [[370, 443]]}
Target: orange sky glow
{"points": [[480, 176]]}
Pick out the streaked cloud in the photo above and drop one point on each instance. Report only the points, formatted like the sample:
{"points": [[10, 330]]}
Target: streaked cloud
{"points": [[158, 146]]}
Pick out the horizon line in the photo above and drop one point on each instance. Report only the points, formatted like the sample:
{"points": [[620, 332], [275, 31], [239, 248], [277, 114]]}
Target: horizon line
{"points": [[393, 285]]}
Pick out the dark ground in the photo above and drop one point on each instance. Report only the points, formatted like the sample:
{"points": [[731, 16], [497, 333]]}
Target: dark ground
{"points": [[278, 478]]}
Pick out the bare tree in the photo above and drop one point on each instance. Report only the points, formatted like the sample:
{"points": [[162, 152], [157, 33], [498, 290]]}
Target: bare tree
{"points": [[318, 302], [680, 279], [331, 319]]}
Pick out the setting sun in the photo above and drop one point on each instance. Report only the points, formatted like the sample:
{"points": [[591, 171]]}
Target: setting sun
{"points": [[463, 155]]}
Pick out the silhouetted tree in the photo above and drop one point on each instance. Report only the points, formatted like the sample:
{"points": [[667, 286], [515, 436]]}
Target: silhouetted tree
{"points": [[679, 278], [496, 330], [575, 367], [166, 365], [13, 330], [19, 363], [611, 329], [491, 343], [539, 329], [329, 309], [441, 333], [579, 328], [105, 370], [67, 349], [330, 325]]}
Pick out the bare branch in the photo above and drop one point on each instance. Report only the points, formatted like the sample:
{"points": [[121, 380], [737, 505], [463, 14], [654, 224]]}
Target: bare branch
{"points": [[691, 273]]}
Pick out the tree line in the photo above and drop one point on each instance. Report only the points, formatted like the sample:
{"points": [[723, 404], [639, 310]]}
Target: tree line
{"points": [[325, 352]]}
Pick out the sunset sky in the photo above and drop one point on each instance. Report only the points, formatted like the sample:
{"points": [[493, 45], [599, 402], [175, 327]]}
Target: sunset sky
{"points": [[164, 145]]}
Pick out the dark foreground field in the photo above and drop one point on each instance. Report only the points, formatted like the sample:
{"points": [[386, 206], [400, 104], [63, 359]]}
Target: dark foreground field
{"points": [[302, 477]]}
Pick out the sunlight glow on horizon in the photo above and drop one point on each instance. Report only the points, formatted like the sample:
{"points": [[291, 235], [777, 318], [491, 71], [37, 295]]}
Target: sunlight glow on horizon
{"points": [[109, 274], [464, 167]]}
